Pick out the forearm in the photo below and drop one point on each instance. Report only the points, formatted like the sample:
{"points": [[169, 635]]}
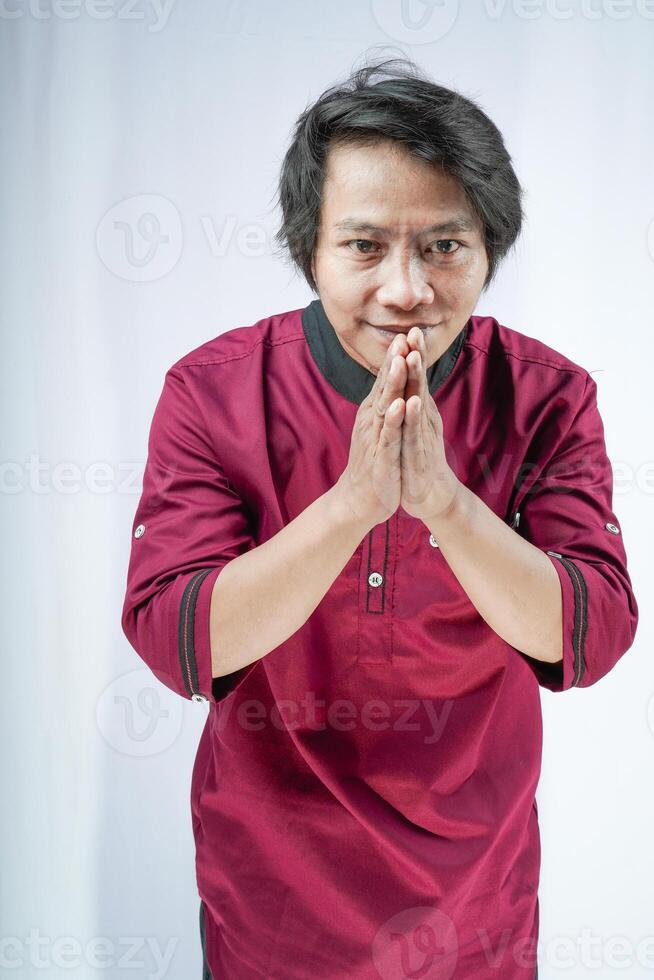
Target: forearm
{"points": [[512, 584], [262, 597]]}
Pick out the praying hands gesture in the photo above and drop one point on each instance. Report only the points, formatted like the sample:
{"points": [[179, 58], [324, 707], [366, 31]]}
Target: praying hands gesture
{"points": [[429, 485], [397, 456]]}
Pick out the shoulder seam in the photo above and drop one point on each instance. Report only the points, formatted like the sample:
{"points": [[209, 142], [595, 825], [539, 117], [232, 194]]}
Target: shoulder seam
{"points": [[572, 369], [182, 363]]}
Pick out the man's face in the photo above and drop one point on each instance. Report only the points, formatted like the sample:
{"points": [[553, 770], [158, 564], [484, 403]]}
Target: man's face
{"points": [[386, 268]]}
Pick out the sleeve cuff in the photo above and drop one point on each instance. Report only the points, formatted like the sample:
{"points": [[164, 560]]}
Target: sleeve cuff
{"points": [[569, 671], [190, 646]]}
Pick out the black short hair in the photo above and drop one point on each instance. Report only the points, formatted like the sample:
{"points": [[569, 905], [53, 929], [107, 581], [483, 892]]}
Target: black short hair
{"points": [[432, 122]]}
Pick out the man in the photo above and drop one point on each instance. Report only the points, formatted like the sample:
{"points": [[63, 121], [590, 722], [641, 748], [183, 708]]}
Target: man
{"points": [[370, 528]]}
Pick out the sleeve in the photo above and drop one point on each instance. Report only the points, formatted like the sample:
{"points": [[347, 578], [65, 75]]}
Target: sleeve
{"points": [[568, 513], [189, 524]]}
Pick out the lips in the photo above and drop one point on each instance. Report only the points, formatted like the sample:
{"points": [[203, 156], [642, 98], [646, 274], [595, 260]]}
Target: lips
{"points": [[393, 328]]}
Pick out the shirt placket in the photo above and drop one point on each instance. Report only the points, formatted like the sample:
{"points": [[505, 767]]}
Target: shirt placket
{"points": [[376, 578]]}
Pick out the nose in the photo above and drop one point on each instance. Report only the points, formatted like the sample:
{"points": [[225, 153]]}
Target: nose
{"points": [[404, 283]]}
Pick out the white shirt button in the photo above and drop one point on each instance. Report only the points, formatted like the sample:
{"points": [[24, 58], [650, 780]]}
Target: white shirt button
{"points": [[612, 528], [432, 541], [199, 697], [375, 579], [140, 531]]}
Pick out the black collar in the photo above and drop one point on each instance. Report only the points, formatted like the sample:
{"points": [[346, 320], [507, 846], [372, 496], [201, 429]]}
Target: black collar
{"points": [[347, 376]]}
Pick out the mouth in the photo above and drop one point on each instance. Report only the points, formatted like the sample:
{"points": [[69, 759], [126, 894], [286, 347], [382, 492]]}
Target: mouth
{"points": [[387, 333]]}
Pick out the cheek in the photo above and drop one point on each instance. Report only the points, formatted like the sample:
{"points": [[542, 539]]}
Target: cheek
{"points": [[479, 268], [347, 292], [466, 280]]}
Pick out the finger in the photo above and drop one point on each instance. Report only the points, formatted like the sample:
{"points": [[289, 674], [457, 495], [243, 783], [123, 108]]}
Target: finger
{"points": [[397, 346], [395, 415], [395, 378], [390, 438], [409, 449], [416, 363], [426, 399], [416, 340], [412, 427], [392, 392]]}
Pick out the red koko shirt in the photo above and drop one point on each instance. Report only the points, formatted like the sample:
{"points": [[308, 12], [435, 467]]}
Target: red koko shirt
{"points": [[363, 796]]}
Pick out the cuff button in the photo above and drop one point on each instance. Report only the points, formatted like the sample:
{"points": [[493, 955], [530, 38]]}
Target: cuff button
{"points": [[140, 531], [612, 528]]}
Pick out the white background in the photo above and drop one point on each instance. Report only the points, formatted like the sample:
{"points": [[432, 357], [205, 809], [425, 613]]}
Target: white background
{"points": [[186, 113]]}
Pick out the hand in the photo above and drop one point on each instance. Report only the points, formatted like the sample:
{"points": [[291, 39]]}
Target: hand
{"points": [[371, 483], [429, 485]]}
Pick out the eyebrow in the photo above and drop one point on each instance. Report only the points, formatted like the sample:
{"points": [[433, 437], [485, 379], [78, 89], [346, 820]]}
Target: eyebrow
{"points": [[457, 223]]}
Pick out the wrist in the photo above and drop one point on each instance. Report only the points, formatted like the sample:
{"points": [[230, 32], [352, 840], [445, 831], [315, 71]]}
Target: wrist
{"points": [[447, 513], [344, 513]]}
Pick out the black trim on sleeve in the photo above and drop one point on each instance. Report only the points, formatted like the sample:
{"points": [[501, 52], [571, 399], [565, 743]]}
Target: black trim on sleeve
{"points": [[186, 638], [581, 614]]}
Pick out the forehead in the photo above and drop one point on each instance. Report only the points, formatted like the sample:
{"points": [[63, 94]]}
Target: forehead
{"points": [[383, 187]]}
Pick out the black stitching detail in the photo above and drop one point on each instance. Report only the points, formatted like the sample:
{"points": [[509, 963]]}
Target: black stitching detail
{"points": [[368, 570], [377, 612]]}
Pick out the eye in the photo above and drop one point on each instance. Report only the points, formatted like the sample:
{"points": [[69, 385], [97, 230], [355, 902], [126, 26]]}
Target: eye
{"points": [[361, 241], [442, 241], [448, 241]]}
